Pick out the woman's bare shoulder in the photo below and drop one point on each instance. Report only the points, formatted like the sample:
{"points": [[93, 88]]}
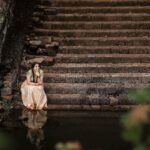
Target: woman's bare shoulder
{"points": [[41, 71], [29, 72]]}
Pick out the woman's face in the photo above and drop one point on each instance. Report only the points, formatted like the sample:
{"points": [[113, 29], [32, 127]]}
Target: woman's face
{"points": [[36, 67]]}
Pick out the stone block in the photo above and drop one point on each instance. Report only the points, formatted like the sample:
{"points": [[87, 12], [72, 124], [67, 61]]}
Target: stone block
{"points": [[6, 91]]}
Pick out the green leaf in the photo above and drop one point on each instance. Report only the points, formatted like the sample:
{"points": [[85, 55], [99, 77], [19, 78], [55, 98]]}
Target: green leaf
{"points": [[140, 147], [141, 96], [133, 134]]}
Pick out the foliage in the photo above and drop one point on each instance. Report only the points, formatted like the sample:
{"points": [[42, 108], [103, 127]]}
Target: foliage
{"points": [[70, 145], [140, 96], [6, 142], [134, 121]]}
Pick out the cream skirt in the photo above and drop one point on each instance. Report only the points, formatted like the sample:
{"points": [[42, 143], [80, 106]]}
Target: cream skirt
{"points": [[33, 97]]}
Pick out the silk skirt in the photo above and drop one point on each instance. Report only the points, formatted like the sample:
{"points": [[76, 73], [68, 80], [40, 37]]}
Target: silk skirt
{"points": [[33, 97]]}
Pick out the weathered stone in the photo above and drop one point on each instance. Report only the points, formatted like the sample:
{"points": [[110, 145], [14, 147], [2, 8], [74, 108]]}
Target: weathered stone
{"points": [[35, 60], [40, 60], [52, 44], [7, 97], [35, 19], [7, 83], [113, 100], [35, 43], [41, 51], [12, 33], [6, 91], [2, 108]]}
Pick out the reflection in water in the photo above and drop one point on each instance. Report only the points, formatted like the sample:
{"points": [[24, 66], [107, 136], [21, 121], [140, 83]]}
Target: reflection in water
{"points": [[34, 121]]}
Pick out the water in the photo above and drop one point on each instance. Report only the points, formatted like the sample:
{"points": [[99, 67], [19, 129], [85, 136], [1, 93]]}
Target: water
{"points": [[43, 130]]}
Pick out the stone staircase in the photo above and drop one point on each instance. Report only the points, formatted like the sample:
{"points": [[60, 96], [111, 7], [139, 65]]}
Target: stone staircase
{"points": [[104, 50]]}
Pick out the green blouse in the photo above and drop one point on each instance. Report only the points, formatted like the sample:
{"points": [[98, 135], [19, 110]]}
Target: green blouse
{"points": [[29, 74]]}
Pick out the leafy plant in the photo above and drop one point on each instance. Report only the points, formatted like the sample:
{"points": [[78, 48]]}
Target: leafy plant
{"points": [[134, 121]]}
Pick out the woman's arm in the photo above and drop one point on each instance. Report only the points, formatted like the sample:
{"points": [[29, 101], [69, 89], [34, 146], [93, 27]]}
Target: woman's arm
{"points": [[31, 83], [29, 79], [40, 79]]}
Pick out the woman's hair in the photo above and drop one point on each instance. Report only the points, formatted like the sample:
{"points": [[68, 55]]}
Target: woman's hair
{"points": [[32, 69]]}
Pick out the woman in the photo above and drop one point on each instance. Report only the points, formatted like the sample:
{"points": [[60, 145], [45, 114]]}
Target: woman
{"points": [[33, 95]]}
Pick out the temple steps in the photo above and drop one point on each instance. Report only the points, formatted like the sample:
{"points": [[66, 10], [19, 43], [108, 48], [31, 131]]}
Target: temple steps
{"points": [[85, 3], [96, 77], [100, 17], [98, 68], [105, 41], [92, 33], [102, 108], [102, 58], [104, 51], [95, 10], [53, 25], [81, 99], [96, 58], [91, 88]]}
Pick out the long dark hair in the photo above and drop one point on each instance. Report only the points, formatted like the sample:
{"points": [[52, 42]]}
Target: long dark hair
{"points": [[32, 68]]}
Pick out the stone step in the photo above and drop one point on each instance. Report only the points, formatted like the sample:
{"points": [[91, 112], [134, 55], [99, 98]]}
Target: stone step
{"points": [[91, 88], [93, 99], [98, 68], [78, 108], [104, 49], [118, 108], [87, 3], [96, 9], [89, 17], [102, 58], [94, 58], [95, 68], [95, 77], [104, 41], [42, 59], [92, 33], [94, 25]]}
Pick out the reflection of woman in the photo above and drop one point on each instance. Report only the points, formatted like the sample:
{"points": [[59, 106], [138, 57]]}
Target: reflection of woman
{"points": [[33, 94], [34, 121]]}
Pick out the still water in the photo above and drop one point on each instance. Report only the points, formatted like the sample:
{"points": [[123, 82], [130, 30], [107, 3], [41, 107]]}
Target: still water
{"points": [[45, 130]]}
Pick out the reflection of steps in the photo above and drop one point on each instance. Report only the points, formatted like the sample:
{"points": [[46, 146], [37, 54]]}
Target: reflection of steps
{"points": [[104, 50]]}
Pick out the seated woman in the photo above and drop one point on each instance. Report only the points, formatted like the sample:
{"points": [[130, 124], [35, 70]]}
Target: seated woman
{"points": [[33, 94]]}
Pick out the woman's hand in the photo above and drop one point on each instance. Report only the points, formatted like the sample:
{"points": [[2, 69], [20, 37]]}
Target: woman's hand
{"points": [[37, 73]]}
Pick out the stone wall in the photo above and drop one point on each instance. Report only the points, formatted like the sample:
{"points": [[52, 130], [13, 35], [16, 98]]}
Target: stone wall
{"points": [[15, 18], [3, 12]]}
